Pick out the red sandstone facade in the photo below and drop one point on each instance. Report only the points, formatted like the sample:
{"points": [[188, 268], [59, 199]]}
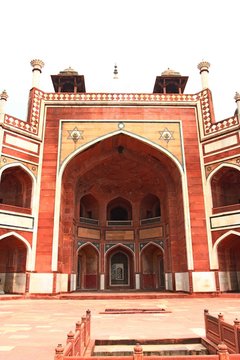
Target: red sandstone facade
{"points": [[119, 191]]}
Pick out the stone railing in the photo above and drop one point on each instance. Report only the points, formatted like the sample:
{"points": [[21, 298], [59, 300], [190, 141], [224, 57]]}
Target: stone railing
{"points": [[218, 331], [221, 341], [77, 342]]}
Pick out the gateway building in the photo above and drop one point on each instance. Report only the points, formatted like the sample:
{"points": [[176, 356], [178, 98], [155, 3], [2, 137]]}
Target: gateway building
{"points": [[119, 191]]}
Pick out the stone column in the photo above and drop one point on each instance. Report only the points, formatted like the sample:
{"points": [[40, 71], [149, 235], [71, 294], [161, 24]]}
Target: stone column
{"points": [[237, 99], [37, 69], [3, 100], [203, 66]]}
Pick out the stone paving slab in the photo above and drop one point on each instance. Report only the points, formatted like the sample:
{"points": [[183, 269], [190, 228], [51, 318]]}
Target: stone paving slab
{"points": [[31, 329]]}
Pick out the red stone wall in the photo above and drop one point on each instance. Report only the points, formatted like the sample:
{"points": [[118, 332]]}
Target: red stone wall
{"points": [[45, 229]]}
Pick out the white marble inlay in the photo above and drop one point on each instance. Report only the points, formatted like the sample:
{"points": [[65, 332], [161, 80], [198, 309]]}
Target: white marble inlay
{"points": [[16, 325], [24, 144], [43, 326], [57, 331], [6, 348], [6, 312], [199, 331], [226, 220], [15, 220], [19, 336], [219, 144]]}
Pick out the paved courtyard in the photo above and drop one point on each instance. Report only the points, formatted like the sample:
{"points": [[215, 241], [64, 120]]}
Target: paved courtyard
{"points": [[31, 329]]}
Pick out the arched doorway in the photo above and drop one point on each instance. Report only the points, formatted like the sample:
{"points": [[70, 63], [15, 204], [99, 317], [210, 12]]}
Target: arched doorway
{"points": [[120, 266], [87, 268], [152, 268], [229, 263], [13, 258]]}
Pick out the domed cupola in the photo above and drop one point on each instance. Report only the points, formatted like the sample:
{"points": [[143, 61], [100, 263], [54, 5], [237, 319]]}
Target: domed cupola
{"points": [[170, 82], [69, 81]]}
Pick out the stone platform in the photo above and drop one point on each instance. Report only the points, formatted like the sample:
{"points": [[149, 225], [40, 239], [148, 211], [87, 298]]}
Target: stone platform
{"points": [[32, 328]]}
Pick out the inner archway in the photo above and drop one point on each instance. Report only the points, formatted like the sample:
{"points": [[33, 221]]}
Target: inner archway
{"points": [[152, 267], [120, 267], [87, 268], [229, 263], [13, 258]]}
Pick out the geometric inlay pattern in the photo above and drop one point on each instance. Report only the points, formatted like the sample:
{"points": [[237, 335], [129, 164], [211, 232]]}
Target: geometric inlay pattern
{"points": [[166, 135], [75, 134], [80, 243], [129, 245], [37, 97], [158, 242]]}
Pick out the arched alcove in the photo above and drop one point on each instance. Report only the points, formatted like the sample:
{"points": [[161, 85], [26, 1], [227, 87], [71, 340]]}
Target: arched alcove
{"points": [[87, 268], [150, 207], [228, 252], [152, 267], [119, 209], [119, 267], [16, 187], [13, 262], [225, 187]]}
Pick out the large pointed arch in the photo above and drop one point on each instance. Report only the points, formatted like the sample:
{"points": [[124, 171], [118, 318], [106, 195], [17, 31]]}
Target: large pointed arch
{"points": [[109, 135], [164, 153]]}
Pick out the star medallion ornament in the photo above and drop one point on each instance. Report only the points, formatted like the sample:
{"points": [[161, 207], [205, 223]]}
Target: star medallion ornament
{"points": [[166, 135], [75, 134]]}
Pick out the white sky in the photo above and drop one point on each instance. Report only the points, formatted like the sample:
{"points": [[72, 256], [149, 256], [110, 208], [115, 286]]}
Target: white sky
{"points": [[144, 38]]}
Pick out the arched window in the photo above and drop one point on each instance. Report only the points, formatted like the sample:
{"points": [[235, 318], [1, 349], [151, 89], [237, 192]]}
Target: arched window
{"points": [[119, 209], [119, 212]]}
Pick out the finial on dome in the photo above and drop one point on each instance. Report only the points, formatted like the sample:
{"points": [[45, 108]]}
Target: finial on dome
{"points": [[115, 72]]}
